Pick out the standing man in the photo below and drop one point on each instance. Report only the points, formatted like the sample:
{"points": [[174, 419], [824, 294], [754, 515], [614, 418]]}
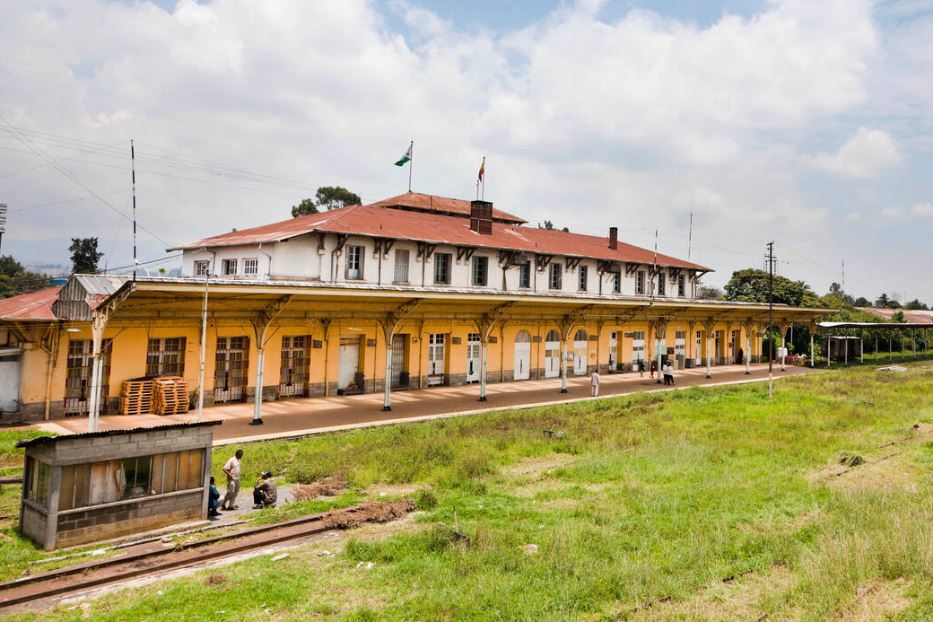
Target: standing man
{"points": [[594, 381], [232, 471]]}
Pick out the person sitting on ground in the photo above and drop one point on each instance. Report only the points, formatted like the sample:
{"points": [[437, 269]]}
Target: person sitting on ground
{"points": [[213, 500], [265, 493]]}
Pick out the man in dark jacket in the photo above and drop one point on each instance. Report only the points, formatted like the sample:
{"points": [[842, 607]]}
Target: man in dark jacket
{"points": [[213, 500], [265, 493]]}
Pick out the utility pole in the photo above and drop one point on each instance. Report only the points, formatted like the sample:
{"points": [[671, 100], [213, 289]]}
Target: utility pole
{"points": [[2, 220], [690, 237], [771, 318]]}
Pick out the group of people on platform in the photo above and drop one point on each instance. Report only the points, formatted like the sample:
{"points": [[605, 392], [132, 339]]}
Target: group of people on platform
{"points": [[265, 492]]}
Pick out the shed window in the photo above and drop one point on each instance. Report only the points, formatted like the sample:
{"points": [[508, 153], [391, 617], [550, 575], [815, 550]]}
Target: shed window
{"points": [[39, 482], [113, 480], [166, 357]]}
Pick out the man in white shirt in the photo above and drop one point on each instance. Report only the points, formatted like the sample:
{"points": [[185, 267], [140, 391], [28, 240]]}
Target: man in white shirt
{"points": [[594, 382], [232, 471]]}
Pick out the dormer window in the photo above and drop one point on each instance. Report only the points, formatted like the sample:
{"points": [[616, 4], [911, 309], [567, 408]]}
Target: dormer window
{"points": [[556, 274], [354, 263], [640, 282]]}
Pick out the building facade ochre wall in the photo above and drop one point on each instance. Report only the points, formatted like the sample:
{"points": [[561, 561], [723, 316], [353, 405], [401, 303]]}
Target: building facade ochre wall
{"points": [[128, 346]]}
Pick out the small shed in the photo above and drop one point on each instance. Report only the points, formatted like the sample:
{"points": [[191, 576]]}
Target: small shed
{"points": [[82, 488]]}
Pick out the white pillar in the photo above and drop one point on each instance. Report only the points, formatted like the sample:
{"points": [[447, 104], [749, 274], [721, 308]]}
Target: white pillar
{"points": [[660, 346], [260, 364], [812, 350], [94, 395], [203, 360], [748, 350], [709, 350], [482, 367], [387, 390], [563, 364], [783, 346]]}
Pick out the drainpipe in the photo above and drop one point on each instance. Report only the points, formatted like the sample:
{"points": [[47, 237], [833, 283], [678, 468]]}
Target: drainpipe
{"points": [[203, 354], [269, 271], [53, 356]]}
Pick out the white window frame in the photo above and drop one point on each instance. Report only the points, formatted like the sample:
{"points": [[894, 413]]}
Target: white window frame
{"points": [[354, 265], [681, 284], [662, 284], [617, 282], [402, 264], [524, 275], [202, 267], [477, 262], [448, 265], [231, 263], [555, 276], [640, 278], [248, 263], [582, 278]]}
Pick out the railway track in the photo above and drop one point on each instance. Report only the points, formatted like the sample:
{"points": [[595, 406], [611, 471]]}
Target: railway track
{"points": [[82, 578]]}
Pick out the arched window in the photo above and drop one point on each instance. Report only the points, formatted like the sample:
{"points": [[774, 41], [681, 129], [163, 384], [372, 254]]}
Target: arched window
{"points": [[552, 336], [522, 337], [580, 336]]}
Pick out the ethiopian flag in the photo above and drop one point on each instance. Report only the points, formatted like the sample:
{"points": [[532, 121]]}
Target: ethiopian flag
{"points": [[405, 158]]}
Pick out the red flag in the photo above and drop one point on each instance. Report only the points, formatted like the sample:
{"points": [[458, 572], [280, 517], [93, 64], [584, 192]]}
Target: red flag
{"points": [[482, 171]]}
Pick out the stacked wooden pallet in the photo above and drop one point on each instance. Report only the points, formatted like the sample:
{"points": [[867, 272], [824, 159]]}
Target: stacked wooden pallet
{"points": [[136, 397], [170, 395]]}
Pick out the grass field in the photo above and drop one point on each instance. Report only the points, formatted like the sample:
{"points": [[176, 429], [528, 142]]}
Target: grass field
{"points": [[697, 504]]}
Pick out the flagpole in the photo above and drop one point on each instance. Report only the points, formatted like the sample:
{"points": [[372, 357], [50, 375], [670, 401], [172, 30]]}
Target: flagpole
{"points": [[411, 163], [483, 196]]}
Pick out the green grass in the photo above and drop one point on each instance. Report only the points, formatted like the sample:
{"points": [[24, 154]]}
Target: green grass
{"points": [[639, 512]]}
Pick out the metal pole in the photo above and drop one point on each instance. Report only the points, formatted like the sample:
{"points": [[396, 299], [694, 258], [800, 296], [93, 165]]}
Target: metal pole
{"points": [[845, 356], [203, 360], [812, 350], [260, 364], [709, 349], [563, 363], [748, 350], [94, 393], [482, 368], [387, 390], [411, 163], [771, 317], [657, 341], [133, 169]]}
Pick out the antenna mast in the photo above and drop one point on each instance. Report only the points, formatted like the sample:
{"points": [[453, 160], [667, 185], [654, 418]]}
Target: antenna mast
{"points": [[133, 170], [690, 237]]}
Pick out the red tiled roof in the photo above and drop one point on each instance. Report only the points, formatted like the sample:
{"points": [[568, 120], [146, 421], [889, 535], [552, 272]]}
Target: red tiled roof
{"points": [[368, 220], [417, 201], [36, 306]]}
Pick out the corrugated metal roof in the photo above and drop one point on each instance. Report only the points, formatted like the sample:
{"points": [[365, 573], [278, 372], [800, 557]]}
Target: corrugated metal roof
{"points": [[95, 284], [34, 306], [435, 228], [49, 440]]}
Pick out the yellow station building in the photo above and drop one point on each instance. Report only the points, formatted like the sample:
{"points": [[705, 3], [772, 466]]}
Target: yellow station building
{"points": [[418, 289]]}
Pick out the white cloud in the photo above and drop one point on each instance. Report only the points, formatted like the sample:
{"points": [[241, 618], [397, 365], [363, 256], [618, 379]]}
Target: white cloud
{"points": [[917, 210], [865, 154], [639, 120]]}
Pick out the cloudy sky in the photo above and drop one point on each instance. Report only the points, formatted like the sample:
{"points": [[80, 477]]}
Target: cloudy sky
{"points": [[807, 123]]}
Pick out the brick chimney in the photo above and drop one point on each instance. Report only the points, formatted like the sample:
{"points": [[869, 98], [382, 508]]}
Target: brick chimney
{"points": [[481, 217], [613, 238]]}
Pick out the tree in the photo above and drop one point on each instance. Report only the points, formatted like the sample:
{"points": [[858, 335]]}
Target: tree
{"points": [[304, 208], [15, 279], [897, 316], [84, 255], [882, 301], [861, 301], [549, 226], [708, 292], [751, 285], [326, 198], [916, 305]]}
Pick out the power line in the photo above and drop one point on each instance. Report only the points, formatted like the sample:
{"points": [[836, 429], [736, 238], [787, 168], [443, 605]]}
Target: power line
{"points": [[77, 181]]}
